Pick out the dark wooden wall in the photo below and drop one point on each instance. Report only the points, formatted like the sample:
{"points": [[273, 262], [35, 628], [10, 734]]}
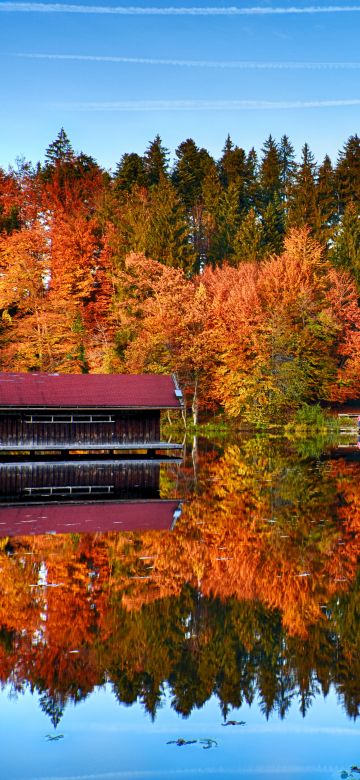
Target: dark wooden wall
{"points": [[142, 426], [31, 481]]}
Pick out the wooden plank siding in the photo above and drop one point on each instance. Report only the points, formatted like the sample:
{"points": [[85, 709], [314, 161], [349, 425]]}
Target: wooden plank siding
{"points": [[23, 482], [127, 427]]}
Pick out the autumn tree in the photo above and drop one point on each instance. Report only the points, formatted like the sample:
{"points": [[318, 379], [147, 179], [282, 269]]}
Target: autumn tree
{"points": [[167, 329], [10, 202], [290, 338], [27, 339]]}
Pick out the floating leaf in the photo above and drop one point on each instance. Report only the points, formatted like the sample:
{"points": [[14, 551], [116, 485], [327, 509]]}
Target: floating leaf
{"points": [[208, 743], [180, 742]]}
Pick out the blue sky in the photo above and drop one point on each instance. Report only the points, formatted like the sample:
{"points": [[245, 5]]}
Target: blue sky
{"points": [[116, 75]]}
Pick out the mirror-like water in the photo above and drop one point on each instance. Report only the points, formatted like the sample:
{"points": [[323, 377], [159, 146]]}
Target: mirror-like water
{"points": [[182, 619]]}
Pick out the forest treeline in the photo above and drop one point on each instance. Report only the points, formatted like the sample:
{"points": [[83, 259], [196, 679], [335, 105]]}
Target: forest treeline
{"points": [[254, 595], [241, 275]]}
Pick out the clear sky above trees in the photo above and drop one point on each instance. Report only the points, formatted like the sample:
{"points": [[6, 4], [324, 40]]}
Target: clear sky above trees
{"points": [[180, 75]]}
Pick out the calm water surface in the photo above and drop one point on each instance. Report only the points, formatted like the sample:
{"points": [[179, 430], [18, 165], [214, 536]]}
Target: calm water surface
{"points": [[138, 641]]}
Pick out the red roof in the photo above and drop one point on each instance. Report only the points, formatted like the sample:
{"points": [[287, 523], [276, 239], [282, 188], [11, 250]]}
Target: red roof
{"points": [[147, 391], [87, 518]]}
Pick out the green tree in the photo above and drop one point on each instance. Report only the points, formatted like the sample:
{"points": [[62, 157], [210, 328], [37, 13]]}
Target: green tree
{"points": [[348, 172], [221, 219], [153, 222], [270, 170], [345, 251], [168, 236], [302, 201], [234, 170], [59, 151], [273, 227], [287, 166], [251, 191], [326, 201], [248, 241], [129, 171], [190, 170], [155, 162]]}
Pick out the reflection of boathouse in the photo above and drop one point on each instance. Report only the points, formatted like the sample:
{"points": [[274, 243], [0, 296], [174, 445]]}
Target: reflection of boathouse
{"points": [[83, 497], [88, 518], [86, 412]]}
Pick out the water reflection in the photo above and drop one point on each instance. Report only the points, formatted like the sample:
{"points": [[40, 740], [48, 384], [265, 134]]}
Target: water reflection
{"points": [[82, 497], [253, 596]]}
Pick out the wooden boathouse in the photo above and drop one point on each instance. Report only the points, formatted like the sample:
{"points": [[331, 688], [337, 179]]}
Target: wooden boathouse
{"points": [[117, 413]]}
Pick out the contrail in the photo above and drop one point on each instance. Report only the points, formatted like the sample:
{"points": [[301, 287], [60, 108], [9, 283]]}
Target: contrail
{"points": [[203, 105], [236, 64], [65, 8]]}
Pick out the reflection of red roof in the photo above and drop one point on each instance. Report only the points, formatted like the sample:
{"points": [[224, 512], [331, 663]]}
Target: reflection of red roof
{"points": [[87, 518], [146, 391]]}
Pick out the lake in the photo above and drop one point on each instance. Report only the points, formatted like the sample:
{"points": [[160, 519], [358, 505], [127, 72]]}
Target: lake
{"points": [[187, 619]]}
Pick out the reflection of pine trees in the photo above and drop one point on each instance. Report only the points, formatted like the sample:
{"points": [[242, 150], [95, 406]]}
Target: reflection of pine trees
{"points": [[53, 706], [237, 651]]}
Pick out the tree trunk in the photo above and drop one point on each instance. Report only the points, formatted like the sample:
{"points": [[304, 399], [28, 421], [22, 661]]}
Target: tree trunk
{"points": [[195, 404]]}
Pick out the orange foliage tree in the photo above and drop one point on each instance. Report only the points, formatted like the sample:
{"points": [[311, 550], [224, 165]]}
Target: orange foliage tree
{"points": [[164, 315], [287, 331]]}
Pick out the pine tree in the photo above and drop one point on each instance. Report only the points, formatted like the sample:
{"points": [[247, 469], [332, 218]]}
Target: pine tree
{"points": [[221, 219], [190, 171], [155, 162], [248, 243], [212, 192], [168, 237], [192, 166], [153, 222], [269, 173], [53, 705], [345, 251], [60, 150], [302, 200], [287, 166], [326, 201], [232, 164], [251, 188], [273, 227], [129, 171], [348, 173]]}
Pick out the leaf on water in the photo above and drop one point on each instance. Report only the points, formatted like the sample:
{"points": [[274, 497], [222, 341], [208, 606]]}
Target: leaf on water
{"points": [[208, 743], [180, 742]]}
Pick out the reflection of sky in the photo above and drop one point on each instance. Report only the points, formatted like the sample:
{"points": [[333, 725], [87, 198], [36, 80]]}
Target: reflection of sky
{"points": [[105, 741]]}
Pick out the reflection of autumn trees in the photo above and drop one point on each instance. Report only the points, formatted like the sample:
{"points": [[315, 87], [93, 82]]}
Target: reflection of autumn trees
{"points": [[262, 526], [255, 593]]}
